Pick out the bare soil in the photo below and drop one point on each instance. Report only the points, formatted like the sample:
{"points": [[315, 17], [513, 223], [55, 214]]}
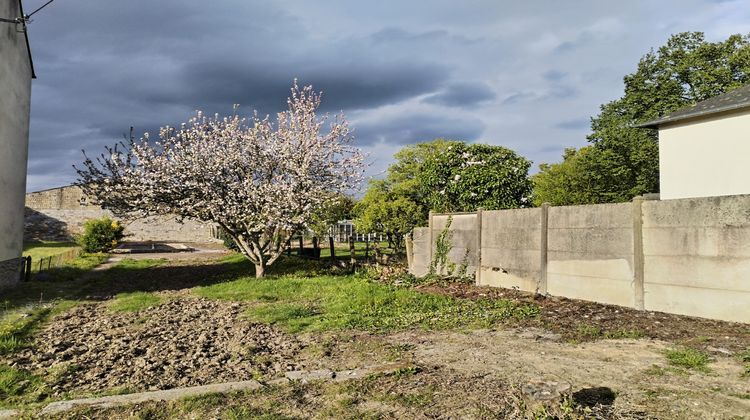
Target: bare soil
{"points": [[577, 320], [187, 341]]}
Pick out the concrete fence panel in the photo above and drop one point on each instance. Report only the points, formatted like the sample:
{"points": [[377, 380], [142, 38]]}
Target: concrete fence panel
{"points": [[590, 253], [697, 257], [420, 251], [511, 249], [463, 234]]}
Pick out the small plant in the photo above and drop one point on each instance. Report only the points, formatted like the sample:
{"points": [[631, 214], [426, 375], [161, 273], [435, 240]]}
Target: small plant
{"points": [[745, 359], [440, 261], [688, 358], [101, 235]]}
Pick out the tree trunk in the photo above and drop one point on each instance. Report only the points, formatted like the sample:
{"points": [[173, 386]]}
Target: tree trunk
{"points": [[260, 270]]}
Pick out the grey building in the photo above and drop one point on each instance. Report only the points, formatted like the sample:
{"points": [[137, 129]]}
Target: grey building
{"points": [[16, 72]]}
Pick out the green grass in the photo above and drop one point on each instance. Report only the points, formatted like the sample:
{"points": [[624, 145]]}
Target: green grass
{"points": [[688, 358], [135, 301], [18, 325], [352, 302], [38, 250], [16, 384]]}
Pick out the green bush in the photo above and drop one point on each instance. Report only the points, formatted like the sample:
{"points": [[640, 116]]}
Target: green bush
{"points": [[229, 242], [101, 235]]}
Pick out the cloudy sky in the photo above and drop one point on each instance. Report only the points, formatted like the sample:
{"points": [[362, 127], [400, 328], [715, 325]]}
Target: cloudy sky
{"points": [[525, 75]]}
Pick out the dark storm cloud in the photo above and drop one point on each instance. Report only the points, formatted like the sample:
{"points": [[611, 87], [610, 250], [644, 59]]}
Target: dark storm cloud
{"points": [[408, 129], [104, 66], [462, 95], [132, 65]]}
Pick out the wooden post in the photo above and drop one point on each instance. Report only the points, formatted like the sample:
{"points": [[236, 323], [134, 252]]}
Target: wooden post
{"points": [[28, 268], [367, 249], [353, 256], [638, 257], [301, 245], [49, 263], [333, 249], [542, 286]]}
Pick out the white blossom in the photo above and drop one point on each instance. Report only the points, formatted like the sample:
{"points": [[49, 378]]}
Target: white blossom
{"points": [[261, 181]]}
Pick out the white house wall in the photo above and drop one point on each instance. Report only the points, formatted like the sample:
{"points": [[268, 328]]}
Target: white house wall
{"points": [[15, 92], [705, 157]]}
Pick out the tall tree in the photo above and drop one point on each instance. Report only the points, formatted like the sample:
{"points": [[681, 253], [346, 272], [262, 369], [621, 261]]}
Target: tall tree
{"points": [[623, 161], [465, 177], [382, 210], [259, 181]]}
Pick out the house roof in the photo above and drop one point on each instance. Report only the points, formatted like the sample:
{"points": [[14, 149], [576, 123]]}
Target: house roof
{"points": [[736, 99]]}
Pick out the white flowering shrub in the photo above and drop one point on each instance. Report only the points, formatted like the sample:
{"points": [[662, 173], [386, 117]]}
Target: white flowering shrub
{"points": [[261, 181]]}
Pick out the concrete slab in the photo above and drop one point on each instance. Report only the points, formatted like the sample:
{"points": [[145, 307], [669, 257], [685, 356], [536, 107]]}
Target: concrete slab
{"points": [[8, 414], [167, 395]]}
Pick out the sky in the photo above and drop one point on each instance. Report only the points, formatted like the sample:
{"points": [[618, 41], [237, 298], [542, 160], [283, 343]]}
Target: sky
{"points": [[524, 75]]}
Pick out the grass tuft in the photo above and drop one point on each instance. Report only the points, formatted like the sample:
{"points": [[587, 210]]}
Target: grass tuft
{"points": [[688, 358], [135, 301]]}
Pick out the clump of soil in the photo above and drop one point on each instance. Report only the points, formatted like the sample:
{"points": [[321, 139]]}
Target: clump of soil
{"points": [[183, 342], [583, 321]]}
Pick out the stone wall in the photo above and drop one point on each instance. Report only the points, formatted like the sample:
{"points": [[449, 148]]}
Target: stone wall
{"points": [[60, 213], [686, 256], [15, 101]]}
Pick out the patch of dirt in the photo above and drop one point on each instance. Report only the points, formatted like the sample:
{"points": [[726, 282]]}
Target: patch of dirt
{"points": [[184, 341], [583, 321], [635, 371]]}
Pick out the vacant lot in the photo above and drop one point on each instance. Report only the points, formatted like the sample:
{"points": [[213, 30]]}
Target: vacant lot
{"points": [[449, 349]]}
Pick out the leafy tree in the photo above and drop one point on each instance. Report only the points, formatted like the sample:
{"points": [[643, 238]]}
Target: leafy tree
{"points": [[382, 210], [339, 207], [259, 181], [623, 161], [465, 177]]}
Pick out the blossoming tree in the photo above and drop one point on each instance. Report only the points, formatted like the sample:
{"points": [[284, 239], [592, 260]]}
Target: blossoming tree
{"points": [[260, 181]]}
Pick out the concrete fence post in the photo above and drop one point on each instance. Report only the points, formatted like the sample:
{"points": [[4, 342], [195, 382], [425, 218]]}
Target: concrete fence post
{"points": [[409, 244], [429, 238], [478, 273], [638, 257], [543, 248]]}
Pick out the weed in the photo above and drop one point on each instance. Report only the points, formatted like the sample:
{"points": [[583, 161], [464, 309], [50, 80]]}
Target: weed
{"points": [[440, 261], [688, 358], [745, 360]]}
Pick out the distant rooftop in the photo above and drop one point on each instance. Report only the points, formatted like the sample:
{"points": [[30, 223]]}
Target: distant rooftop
{"points": [[736, 99]]}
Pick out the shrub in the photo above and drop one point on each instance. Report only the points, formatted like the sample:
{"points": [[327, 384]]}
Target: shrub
{"points": [[101, 235], [227, 239]]}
